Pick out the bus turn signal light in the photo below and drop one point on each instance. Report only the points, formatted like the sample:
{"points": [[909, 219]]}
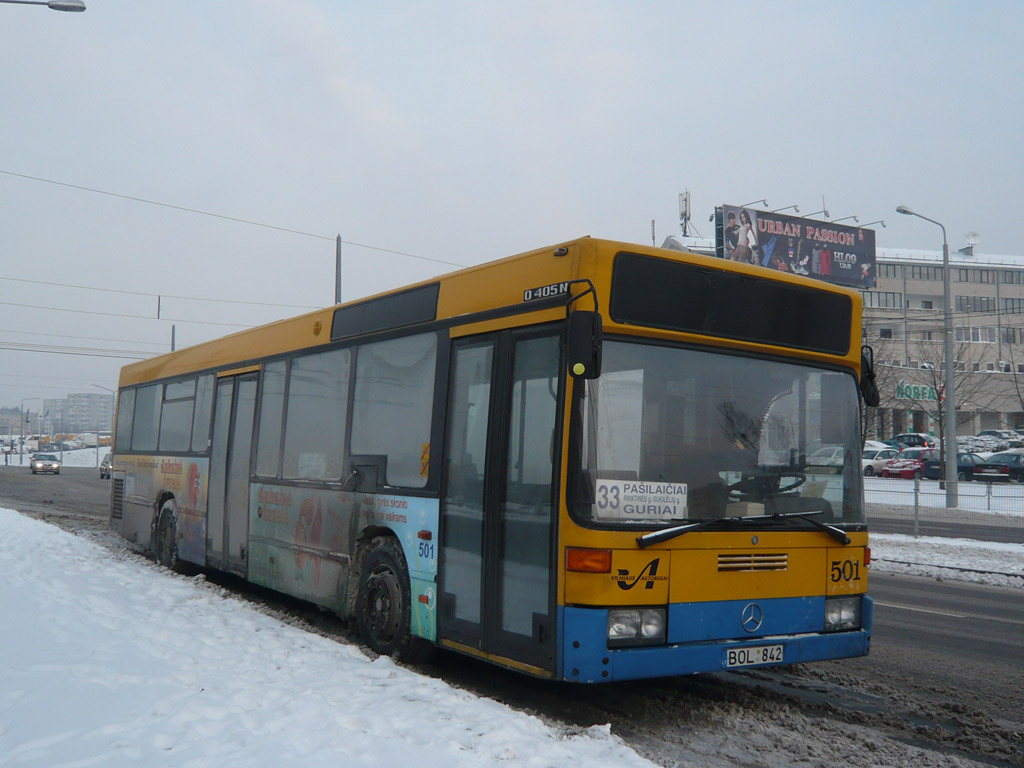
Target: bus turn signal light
{"points": [[588, 560]]}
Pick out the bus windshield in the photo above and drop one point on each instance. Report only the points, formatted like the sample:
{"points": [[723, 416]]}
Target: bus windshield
{"points": [[670, 434]]}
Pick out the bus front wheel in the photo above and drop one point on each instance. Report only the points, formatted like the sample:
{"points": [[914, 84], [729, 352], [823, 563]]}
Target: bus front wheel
{"points": [[383, 610]]}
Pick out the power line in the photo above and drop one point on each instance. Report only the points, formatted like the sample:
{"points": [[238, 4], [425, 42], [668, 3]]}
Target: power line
{"points": [[114, 314], [53, 349], [222, 216], [157, 295], [86, 338]]}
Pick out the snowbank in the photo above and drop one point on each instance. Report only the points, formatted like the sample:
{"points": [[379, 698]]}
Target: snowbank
{"points": [[109, 662]]}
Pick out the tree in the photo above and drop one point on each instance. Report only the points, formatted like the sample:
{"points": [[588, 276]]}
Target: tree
{"points": [[923, 387]]}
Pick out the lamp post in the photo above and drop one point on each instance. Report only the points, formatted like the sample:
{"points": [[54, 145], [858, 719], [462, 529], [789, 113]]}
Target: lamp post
{"points": [[21, 446], [949, 405], [74, 6]]}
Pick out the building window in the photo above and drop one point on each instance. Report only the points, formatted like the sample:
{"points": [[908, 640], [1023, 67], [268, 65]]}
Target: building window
{"points": [[984, 334], [1013, 277], [1012, 306], [926, 305], [885, 333], [888, 270], [883, 299], [917, 272], [976, 275], [975, 303]]}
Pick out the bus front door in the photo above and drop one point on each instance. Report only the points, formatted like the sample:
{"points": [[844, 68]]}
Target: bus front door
{"points": [[498, 506], [227, 523]]}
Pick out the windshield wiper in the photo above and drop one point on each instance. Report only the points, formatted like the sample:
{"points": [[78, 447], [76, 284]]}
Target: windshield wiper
{"points": [[656, 537]]}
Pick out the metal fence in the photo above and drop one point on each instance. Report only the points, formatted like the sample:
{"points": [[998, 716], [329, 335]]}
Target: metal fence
{"points": [[983, 504]]}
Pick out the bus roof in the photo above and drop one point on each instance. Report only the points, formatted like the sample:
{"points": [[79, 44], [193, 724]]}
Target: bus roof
{"points": [[483, 295]]}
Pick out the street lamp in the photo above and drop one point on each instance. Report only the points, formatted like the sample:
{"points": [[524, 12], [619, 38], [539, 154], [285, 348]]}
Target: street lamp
{"points": [[74, 6], [21, 446], [949, 420]]}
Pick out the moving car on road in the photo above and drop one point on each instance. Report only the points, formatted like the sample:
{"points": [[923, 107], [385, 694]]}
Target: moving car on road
{"points": [[105, 468], [44, 462]]}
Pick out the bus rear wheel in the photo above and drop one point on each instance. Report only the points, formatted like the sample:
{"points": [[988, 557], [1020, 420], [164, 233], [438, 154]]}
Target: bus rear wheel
{"points": [[384, 608], [166, 544]]}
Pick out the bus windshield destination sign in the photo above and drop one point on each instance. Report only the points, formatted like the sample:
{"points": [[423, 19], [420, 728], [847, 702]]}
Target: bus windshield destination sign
{"points": [[630, 500]]}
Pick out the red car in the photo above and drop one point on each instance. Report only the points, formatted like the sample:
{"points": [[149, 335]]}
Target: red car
{"points": [[909, 463]]}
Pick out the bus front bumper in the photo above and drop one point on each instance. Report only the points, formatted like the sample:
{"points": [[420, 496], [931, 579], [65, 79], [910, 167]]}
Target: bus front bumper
{"points": [[586, 657]]}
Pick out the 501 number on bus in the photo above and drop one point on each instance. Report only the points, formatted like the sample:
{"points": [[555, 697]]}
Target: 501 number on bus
{"points": [[845, 570]]}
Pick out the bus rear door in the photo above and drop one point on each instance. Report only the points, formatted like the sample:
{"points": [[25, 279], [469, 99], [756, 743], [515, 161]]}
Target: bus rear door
{"points": [[227, 531]]}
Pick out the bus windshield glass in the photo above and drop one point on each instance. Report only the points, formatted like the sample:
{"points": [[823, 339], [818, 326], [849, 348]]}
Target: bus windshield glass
{"points": [[670, 434]]}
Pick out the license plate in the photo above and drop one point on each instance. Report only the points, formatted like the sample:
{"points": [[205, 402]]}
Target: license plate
{"points": [[746, 657]]}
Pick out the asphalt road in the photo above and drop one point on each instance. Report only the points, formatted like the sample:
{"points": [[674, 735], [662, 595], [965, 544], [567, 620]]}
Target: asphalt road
{"points": [[77, 492], [947, 636]]}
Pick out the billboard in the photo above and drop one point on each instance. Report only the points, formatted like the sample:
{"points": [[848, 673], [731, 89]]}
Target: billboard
{"points": [[831, 252]]}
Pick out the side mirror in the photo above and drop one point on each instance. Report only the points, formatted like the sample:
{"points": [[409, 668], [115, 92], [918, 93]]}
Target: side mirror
{"points": [[584, 344], [868, 386]]}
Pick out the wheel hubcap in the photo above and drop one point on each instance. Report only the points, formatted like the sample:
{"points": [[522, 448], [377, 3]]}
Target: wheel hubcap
{"points": [[384, 601]]}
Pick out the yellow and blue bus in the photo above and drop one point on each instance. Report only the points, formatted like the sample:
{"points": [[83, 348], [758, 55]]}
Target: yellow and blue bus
{"points": [[591, 462]]}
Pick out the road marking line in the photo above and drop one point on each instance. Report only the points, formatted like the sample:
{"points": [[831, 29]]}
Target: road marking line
{"points": [[922, 610], [953, 615]]}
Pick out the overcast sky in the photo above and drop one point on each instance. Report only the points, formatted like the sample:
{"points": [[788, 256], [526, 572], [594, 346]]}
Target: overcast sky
{"points": [[456, 132]]}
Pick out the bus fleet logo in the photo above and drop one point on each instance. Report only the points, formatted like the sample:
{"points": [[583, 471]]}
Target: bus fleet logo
{"points": [[648, 576]]}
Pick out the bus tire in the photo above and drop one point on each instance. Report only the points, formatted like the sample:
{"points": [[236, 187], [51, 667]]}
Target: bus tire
{"points": [[383, 605], [165, 545]]}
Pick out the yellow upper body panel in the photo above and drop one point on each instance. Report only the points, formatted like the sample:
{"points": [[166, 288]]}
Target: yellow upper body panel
{"points": [[490, 286]]}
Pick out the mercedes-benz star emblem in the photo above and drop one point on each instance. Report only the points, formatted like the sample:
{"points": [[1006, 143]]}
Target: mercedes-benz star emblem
{"points": [[751, 617]]}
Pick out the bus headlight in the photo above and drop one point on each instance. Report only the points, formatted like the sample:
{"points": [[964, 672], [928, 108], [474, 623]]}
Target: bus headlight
{"points": [[635, 626], [842, 613]]}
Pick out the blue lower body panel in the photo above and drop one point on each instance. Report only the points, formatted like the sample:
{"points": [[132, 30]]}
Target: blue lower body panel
{"points": [[793, 623]]}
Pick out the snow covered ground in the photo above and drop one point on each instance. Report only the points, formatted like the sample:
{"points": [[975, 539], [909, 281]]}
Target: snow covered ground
{"points": [[83, 457], [108, 660]]}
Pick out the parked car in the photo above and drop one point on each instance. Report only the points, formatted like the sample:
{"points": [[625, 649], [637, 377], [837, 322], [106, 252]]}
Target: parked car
{"points": [[873, 459], [829, 455], [916, 440], [1005, 467], [909, 463], [1006, 438], [965, 464], [105, 468], [44, 462]]}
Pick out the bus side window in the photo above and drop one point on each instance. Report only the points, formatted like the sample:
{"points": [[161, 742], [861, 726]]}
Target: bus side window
{"points": [[394, 396]]}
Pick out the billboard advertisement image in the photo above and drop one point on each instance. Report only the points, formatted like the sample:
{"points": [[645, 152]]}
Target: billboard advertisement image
{"points": [[831, 252]]}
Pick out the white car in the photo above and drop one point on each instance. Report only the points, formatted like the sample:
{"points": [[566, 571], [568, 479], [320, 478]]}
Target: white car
{"points": [[873, 459], [829, 455], [44, 462]]}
